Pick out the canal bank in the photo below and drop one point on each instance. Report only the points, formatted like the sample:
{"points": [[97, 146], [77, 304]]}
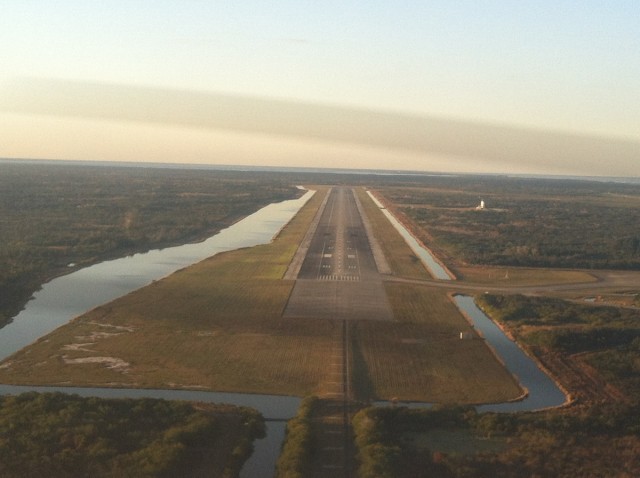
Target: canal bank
{"points": [[69, 296], [541, 390]]}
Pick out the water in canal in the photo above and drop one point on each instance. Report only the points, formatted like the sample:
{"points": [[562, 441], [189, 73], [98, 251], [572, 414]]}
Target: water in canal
{"points": [[430, 262], [543, 392], [68, 296]]}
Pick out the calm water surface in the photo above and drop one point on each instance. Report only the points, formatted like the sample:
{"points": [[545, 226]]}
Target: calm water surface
{"points": [[276, 409], [266, 451], [272, 407], [68, 296], [71, 295], [543, 391]]}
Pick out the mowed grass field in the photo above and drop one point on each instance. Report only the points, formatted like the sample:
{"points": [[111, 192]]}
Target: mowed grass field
{"points": [[421, 357], [521, 276], [218, 325], [215, 325]]}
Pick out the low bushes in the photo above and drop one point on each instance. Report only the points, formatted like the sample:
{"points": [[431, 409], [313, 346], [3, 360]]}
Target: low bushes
{"points": [[59, 435]]}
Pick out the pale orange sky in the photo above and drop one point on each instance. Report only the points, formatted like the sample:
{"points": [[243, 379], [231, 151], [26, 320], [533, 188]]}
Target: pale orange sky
{"points": [[48, 137], [475, 83]]}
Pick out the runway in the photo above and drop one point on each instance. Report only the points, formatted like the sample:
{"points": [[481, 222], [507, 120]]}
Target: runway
{"points": [[338, 278]]}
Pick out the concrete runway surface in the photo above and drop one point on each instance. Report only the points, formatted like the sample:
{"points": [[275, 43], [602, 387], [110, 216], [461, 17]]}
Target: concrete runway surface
{"points": [[338, 278]]}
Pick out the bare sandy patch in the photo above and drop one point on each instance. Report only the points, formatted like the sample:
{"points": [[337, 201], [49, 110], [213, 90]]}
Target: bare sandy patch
{"points": [[123, 328], [78, 347], [112, 363]]}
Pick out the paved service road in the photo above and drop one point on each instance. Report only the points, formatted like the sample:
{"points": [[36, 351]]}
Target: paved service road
{"points": [[338, 278]]}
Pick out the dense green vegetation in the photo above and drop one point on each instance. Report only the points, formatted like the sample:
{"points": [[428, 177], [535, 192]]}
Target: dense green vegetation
{"points": [[600, 441], [612, 332], [383, 450], [59, 435], [55, 215], [620, 365], [377, 458], [537, 223], [607, 337], [298, 446], [521, 309]]}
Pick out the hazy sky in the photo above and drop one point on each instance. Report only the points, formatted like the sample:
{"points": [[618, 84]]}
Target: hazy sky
{"points": [[572, 67]]}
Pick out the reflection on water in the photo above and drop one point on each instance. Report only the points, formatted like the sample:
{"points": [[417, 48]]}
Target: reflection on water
{"points": [[543, 392], [266, 451], [433, 266], [69, 296]]}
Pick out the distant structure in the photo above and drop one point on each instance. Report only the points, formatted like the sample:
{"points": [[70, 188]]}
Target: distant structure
{"points": [[481, 205]]}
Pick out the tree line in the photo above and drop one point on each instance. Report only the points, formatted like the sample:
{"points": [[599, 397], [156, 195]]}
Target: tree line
{"points": [[529, 223], [60, 435], [58, 217]]}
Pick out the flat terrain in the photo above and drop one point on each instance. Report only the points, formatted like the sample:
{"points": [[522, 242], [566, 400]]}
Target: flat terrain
{"points": [[222, 325], [311, 313], [232, 323], [581, 325], [216, 325]]}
